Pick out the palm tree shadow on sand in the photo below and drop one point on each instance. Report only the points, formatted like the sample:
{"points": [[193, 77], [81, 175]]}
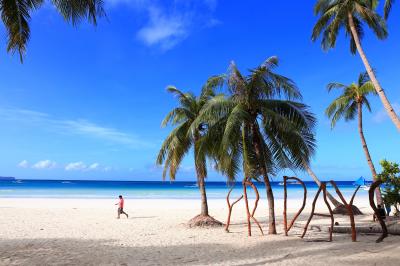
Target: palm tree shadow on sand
{"points": [[105, 252]]}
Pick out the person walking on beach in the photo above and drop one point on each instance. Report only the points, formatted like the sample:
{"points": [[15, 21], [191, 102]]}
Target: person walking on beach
{"points": [[121, 207]]}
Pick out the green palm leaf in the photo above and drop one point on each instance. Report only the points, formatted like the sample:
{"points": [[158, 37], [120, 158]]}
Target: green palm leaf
{"points": [[334, 16], [16, 15], [345, 106]]}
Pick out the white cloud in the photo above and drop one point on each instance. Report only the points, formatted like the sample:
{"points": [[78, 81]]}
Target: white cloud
{"points": [[163, 30], [167, 22], [81, 166], [83, 127], [23, 164], [45, 164], [74, 127], [171, 22], [77, 166], [382, 115], [94, 166]]}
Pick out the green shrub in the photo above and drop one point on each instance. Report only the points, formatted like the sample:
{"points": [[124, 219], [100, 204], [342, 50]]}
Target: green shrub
{"points": [[390, 176]]}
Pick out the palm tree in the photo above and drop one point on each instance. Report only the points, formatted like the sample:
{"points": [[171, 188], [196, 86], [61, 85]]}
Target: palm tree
{"points": [[349, 104], [180, 141], [350, 15], [16, 15], [263, 124]]}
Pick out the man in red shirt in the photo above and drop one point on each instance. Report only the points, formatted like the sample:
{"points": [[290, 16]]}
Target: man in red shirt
{"points": [[121, 207]]}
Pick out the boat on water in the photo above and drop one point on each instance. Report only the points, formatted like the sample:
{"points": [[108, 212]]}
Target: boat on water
{"points": [[365, 185], [290, 182]]}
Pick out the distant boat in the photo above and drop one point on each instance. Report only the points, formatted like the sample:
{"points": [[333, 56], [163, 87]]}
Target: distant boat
{"points": [[192, 186], [290, 182], [365, 185]]}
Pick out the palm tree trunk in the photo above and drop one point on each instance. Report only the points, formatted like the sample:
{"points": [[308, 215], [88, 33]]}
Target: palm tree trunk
{"points": [[271, 204], [200, 181], [316, 180], [270, 194], [202, 188], [367, 154], [389, 109], [246, 177]]}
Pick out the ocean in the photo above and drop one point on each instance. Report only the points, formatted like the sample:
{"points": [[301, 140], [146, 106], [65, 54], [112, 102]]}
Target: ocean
{"points": [[149, 189]]}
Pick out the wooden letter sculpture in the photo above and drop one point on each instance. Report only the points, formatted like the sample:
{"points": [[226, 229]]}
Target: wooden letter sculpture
{"points": [[349, 209], [230, 206], [323, 188], [285, 178], [377, 215], [250, 216]]}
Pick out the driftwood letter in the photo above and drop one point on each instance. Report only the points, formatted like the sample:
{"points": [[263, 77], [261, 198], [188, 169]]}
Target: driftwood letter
{"points": [[230, 206], [323, 188], [349, 209], [250, 216], [285, 178], [378, 216]]}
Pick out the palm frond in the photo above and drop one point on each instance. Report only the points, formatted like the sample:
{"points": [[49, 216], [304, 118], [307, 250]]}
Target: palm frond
{"points": [[335, 85], [333, 16], [16, 16], [346, 105], [76, 10], [387, 8], [337, 109]]}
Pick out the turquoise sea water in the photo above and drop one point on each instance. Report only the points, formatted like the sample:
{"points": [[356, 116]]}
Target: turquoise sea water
{"points": [[147, 190]]}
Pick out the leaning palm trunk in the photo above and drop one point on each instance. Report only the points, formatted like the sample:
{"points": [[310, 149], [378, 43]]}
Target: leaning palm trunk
{"points": [[367, 154], [339, 207], [316, 180], [389, 109]]}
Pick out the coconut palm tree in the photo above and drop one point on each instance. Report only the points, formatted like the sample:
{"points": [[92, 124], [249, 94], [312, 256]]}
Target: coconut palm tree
{"points": [[16, 15], [263, 124], [182, 139], [349, 105], [351, 15]]}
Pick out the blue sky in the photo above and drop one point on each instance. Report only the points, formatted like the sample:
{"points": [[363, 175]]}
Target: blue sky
{"points": [[88, 102]]}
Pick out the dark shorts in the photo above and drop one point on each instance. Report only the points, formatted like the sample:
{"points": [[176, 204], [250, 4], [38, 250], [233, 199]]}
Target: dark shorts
{"points": [[120, 210]]}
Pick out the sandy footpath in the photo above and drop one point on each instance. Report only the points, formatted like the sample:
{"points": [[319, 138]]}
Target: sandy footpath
{"points": [[86, 232]]}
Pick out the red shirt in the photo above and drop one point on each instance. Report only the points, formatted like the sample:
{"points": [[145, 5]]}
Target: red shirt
{"points": [[121, 203]]}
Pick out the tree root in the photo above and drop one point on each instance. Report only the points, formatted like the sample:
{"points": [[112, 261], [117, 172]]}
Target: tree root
{"points": [[204, 221]]}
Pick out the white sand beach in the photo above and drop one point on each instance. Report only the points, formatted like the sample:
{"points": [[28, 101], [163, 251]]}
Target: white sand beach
{"points": [[86, 232]]}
